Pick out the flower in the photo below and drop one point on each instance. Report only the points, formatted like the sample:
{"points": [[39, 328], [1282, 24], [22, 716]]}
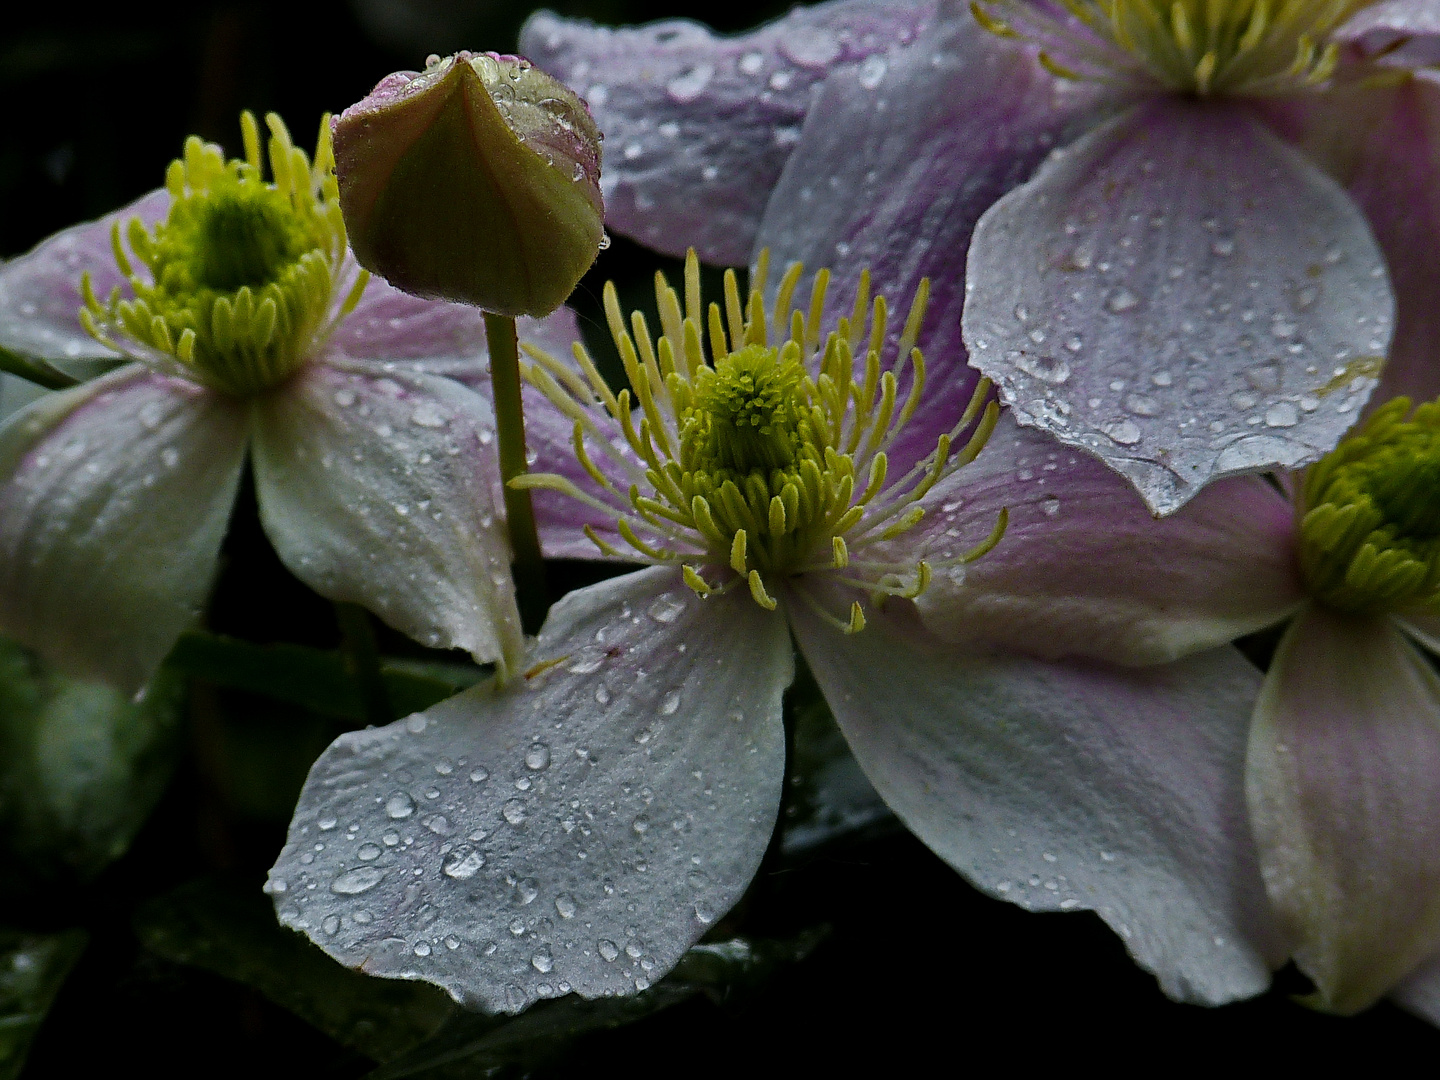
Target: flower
{"points": [[245, 331], [579, 828], [475, 180], [1124, 298]]}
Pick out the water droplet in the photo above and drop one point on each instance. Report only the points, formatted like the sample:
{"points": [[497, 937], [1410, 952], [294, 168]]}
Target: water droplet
{"points": [[359, 880], [463, 863], [542, 961], [345, 398], [1141, 405], [428, 415], [1265, 377], [452, 942], [1121, 300], [641, 825], [1223, 246], [666, 609], [1050, 505], [1047, 369], [608, 950], [1123, 432], [671, 704], [565, 905], [689, 86], [602, 694], [399, 805], [1282, 414], [704, 913], [752, 63], [479, 774], [368, 852], [439, 824], [326, 824], [526, 890], [422, 948], [331, 925], [537, 757], [872, 70], [513, 811]]}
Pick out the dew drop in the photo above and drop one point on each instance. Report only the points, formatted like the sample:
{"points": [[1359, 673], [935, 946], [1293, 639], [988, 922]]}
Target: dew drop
{"points": [[331, 925], [872, 71], [422, 948], [671, 703], [537, 757], [427, 415], [513, 811], [565, 906], [463, 863], [1047, 369], [359, 880], [1123, 432], [1141, 405], [608, 950], [479, 774], [400, 805], [1121, 300], [1281, 415], [1223, 246], [542, 961], [368, 852]]}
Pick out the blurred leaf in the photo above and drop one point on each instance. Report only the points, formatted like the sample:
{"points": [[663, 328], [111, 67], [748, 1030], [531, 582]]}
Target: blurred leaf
{"points": [[81, 766], [315, 679], [472, 1044], [829, 797], [35, 371], [32, 969], [231, 931]]}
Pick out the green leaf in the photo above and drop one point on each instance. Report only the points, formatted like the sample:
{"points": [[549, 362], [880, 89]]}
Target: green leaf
{"points": [[81, 766], [315, 679], [32, 969], [472, 1044], [34, 370], [828, 797], [230, 930]]}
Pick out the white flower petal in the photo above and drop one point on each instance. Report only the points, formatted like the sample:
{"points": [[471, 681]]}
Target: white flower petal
{"points": [[382, 489], [1183, 295], [1343, 781], [576, 832], [1069, 786], [114, 497]]}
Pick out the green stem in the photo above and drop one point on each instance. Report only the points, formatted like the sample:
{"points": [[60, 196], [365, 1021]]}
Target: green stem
{"points": [[519, 513], [362, 657]]}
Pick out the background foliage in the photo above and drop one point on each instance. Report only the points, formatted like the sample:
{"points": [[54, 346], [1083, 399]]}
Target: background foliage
{"points": [[169, 958]]}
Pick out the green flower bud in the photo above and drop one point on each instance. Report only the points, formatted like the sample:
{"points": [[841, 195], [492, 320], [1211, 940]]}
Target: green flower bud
{"points": [[476, 180]]}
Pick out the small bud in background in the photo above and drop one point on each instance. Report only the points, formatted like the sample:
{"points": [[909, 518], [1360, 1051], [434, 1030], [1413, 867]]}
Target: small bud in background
{"points": [[476, 180]]}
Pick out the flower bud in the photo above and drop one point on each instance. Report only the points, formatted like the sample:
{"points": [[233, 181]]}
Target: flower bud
{"points": [[476, 180]]}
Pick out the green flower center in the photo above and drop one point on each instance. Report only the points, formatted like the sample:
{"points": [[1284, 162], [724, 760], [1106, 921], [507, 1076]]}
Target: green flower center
{"points": [[1370, 537], [237, 286], [1241, 47], [766, 460]]}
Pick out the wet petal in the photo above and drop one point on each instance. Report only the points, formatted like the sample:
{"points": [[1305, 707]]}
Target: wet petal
{"points": [[114, 497], [1343, 779], [698, 126], [1183, 295], [896, 164], [1064, 787], [382, 490], [578, 831], [392, 327], [1397, 33], [1420, 993], [1383, 144], [40, 290], [1085, 570]]}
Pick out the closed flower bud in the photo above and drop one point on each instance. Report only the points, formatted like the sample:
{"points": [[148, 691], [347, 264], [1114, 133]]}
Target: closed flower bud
{"points": [[475, 180]]}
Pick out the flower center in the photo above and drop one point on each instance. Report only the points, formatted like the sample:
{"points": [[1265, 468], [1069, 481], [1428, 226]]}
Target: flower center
{"points": [[1370, 538], [766, 460], [1241, 47], [236, 286]]}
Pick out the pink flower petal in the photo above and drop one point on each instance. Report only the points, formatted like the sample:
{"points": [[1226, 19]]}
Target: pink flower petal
{"points": [[897, 162], [114, 497], [698, 126], [1069, 786], [1085, 570], [1175, 293], [577, 830], [383, 489], [40, 290], [1343, 779]]}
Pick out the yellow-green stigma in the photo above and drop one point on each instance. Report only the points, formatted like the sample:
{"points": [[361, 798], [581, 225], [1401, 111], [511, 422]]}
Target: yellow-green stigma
{"points": [[768, 460], [1370, 534], [1239, 47], [236, 286]]}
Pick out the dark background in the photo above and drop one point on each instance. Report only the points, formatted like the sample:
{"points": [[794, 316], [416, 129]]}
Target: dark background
{"points": [[919, 974]]}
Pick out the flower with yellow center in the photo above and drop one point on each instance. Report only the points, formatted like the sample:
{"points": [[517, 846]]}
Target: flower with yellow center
{"points": [[586, 823], [238, 326], [1134, 211]]}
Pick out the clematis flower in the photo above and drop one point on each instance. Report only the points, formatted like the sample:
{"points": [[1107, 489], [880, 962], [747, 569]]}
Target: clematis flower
{"points": [[243, 330], [576, 830], [1177, 289]]}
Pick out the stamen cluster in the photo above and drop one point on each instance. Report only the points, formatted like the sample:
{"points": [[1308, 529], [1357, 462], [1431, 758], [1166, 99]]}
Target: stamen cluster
{"points": [[1370, 534], [1241, 47], [239, 279], [770, 460]]}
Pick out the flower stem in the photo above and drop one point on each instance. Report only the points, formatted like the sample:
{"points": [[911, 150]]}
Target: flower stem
{"points": [[519, 513], [362, 657]]}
